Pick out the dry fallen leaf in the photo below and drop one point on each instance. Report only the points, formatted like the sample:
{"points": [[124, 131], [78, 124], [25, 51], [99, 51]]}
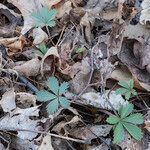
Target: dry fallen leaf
{"points": [[25, 100], [46, 143], [29, 68], [130, 144], [145, 13], [100, 101], [13, 45], [39, 36], [86, 134], [147, 123], [19, 121], [8, 101]]}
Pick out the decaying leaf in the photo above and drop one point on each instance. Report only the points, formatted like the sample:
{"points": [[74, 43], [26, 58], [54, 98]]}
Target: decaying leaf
{"points": [[29, 68], [86, 133], [20, 121], [79, 81], [39, 36], [147, 122], [100, 101], [25, 100], [145, 13], [14, 45], [130, 143], [8, 101], [46, 144]]}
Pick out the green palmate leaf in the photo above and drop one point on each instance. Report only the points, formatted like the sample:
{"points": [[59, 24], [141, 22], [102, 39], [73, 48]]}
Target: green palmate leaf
{"points": [[128, 95], [113, 119], [52, 106], [118, 133], [121, 91], [44, 96], [63, 88], [126, 110], [134, 119], [53, 84], [124, 84], [64, 102], [131, 83], [133, 130], [44, 17]]}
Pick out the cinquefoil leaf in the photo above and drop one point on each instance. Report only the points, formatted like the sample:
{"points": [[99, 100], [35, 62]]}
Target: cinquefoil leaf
{"points": [[121, 91], [52, 107], [133, 130], [126, 110], [44, 96], [134, 118], [113, 119], [53, 84], [118, 133], [63, 88], [124, 84], [64, 102], [128, 95]]}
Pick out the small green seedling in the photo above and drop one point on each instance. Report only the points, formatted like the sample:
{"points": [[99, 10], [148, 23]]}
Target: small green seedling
{"points": [[80, 50], [127, 89], [44, 17], [126, 121], [42, 50], [54, 96]]}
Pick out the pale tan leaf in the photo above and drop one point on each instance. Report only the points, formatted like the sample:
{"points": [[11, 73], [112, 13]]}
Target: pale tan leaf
{"points": [[8, 101]]}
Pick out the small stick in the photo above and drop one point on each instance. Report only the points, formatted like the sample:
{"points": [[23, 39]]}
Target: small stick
{"points": [[60, 35], [51, 134]]}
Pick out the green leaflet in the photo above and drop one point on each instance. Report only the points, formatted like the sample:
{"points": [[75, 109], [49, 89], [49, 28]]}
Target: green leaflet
{"points": [[118, 133], [55, 99], [64, 102], [133, 130], [53, 85], [113, 119], [134, 119], [44, 96], [126, 110]]}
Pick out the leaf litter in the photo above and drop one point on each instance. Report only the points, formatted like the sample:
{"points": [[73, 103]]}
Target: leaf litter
{"points": [[87, 48]]}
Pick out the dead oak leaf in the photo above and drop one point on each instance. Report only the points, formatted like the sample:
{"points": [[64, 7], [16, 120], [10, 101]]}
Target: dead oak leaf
{"points": [[147, 123], [29, 68]]}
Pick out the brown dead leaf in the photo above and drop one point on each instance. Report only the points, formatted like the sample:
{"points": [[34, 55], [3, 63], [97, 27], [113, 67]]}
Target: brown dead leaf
{"points": [[116, 37], [81, 78], [25, 100], [13, 45], [29, 68], [134, 54], [39, 36], [63, 9], [86, 134], [8, 101], [50, 59], [147, 123]]}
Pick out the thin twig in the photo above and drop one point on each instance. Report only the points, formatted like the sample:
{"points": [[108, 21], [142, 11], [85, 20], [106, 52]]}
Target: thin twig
{"points": [[49, 35], [51, 134], [60, 35]]}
